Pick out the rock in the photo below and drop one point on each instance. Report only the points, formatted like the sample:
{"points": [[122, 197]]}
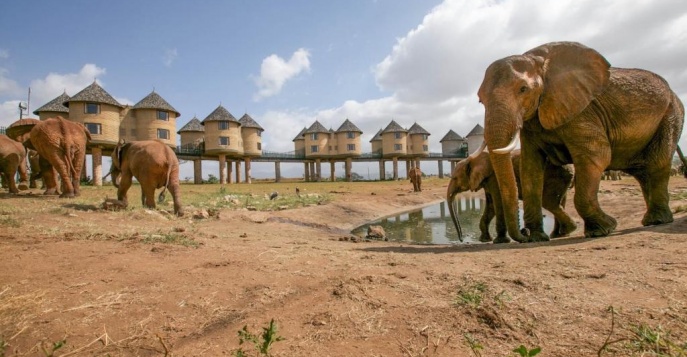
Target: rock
{"points": [[235, 201], [201, 214], [243, 235], [376, 232], [113, 205]]}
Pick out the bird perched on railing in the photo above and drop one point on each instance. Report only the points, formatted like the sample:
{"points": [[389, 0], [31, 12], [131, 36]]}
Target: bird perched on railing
{"points": [[274, 195]]}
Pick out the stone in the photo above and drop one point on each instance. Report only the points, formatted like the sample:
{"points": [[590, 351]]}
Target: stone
{"points": [[376, 232]]}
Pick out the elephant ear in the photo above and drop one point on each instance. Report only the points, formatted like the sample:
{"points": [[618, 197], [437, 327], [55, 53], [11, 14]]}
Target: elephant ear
{"points": [[118, 153], [573, 76], [479, 168]]}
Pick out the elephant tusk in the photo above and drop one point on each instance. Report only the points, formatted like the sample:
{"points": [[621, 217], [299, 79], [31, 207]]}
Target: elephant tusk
{"points": [[478, 151], [511, 146]]}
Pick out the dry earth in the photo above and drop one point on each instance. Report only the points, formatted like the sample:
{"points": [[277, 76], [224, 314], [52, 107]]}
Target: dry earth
{"points": [[69, 270]]}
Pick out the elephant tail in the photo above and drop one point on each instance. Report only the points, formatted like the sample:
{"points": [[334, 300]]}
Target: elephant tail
{"points": [[161, 196]]}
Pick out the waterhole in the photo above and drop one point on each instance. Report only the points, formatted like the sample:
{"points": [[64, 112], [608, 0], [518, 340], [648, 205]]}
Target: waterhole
{"points": [[432, 224]]}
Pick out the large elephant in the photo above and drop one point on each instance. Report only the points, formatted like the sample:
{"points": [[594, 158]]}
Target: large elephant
{"points": [[573, 108], [415, 177], [61, 145], [153, 164], [13, 160], [476, 172]]}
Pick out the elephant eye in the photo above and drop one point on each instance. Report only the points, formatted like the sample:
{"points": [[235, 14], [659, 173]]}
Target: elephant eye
{"points": [[523, 89]]}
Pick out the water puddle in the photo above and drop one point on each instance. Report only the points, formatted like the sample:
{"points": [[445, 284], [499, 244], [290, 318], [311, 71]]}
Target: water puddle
{"points": [[432, 224]]}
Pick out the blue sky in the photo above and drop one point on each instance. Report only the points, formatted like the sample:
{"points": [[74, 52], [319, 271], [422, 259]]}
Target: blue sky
{"points": [[288, 63]]}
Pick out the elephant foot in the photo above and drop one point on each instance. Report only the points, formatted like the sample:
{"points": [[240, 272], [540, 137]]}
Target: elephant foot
{"points": [[51, 193], [657, 216], [599, 227], [564, 229], [538, 236], [23, 186], [485, 238], [501, 239], [67, 195]]}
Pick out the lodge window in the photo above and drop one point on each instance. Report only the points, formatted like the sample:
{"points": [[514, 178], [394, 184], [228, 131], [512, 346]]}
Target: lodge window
{"points": [[259, 146], [163, 134], [397, 135], [314, 148], [425, 148], [398, 147], [122, 132], [351, 147], [224, 140], [350, 135], [223, 125], [94, 128], [162, 115], [313, 136], [92, 108], [259, 133]]}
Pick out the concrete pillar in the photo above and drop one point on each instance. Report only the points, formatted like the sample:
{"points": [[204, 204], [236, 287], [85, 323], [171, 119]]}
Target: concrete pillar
{"points": [[382, 170], [395, 161], [307, 171], [247, 170], [349, 166], [97, 158], [332, 169], [312, 171], [318, 169], [417, 163], [441, 169], [222, 166], [83, 169], [277, 171], [230, 171], [197, 171], [238, 171]]}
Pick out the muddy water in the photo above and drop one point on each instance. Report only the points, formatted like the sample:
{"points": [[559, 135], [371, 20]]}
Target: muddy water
{"points": [[432, 224]]}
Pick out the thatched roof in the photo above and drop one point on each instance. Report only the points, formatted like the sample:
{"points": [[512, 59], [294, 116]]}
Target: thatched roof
{"points": [[155, 101], [316, 127], [393, 127], [55, 105], [377, 137], [300, 134], [248, 122], [219, 114], [93, 93], [347, 126], [451, 136], [417, 129], [477, 130], [192, 125]]}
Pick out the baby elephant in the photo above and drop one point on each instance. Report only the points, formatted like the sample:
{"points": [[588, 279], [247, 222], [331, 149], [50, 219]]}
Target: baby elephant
{"points": [[475, 173], [154, 165]]}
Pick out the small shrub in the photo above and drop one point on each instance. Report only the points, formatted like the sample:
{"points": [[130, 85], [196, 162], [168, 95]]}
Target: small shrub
{"points": [[524, 352], [474, 345], [472, 295], [262, 343]]}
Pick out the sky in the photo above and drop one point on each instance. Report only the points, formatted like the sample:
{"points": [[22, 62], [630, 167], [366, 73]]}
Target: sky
{"points": [[289, 63]]}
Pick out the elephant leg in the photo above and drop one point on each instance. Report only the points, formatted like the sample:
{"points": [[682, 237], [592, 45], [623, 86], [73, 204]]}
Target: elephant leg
{"points": [[124, 185], [78, 164], [486, 219], [148, 195], [532, 165], [59, 164], [655, 190], [587, 180], [419, 184], [11, 184], [499, 213], [23, 176], [557, 179], [49, 178]]}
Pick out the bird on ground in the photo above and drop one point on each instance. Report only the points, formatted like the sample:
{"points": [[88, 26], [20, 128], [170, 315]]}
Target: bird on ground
{"points": [[298, 192], [274, 195]]}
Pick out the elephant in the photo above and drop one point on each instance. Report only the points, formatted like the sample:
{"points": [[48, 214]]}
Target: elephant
{"points": [[61, 145], [476, 172], [153, 164], [564, 103], [614, 175], [415, 177], [13, 160]]}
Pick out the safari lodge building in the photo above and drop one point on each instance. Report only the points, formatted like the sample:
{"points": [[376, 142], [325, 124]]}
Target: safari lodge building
{"points": [[236, 142]]}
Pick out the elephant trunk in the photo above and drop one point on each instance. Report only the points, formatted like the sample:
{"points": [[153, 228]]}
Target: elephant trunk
{"points": [[499, 133], [451, 201]]}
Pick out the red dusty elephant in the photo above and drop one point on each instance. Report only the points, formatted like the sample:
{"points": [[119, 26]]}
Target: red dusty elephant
{"points": [[153, 164], [13, 159], [415, 177]]}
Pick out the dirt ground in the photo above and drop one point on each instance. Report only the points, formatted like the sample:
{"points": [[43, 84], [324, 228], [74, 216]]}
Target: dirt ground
{"points": [[71, 271]]}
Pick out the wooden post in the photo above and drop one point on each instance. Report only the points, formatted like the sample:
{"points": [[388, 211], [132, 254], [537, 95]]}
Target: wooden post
{"points": [[222, 165], [277, 171], [97, 158], [248, 170], [197, 171], [382, 170], [238, 171]]}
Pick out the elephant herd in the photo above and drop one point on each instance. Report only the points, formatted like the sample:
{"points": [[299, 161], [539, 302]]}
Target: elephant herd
{"points": [[57, 147], [566, 106]]}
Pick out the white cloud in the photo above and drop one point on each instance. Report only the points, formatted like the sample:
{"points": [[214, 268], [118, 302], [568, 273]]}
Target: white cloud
{"points": [[4, 54], [8, 87], [171, 54], [46, 89], [274, 72]]}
